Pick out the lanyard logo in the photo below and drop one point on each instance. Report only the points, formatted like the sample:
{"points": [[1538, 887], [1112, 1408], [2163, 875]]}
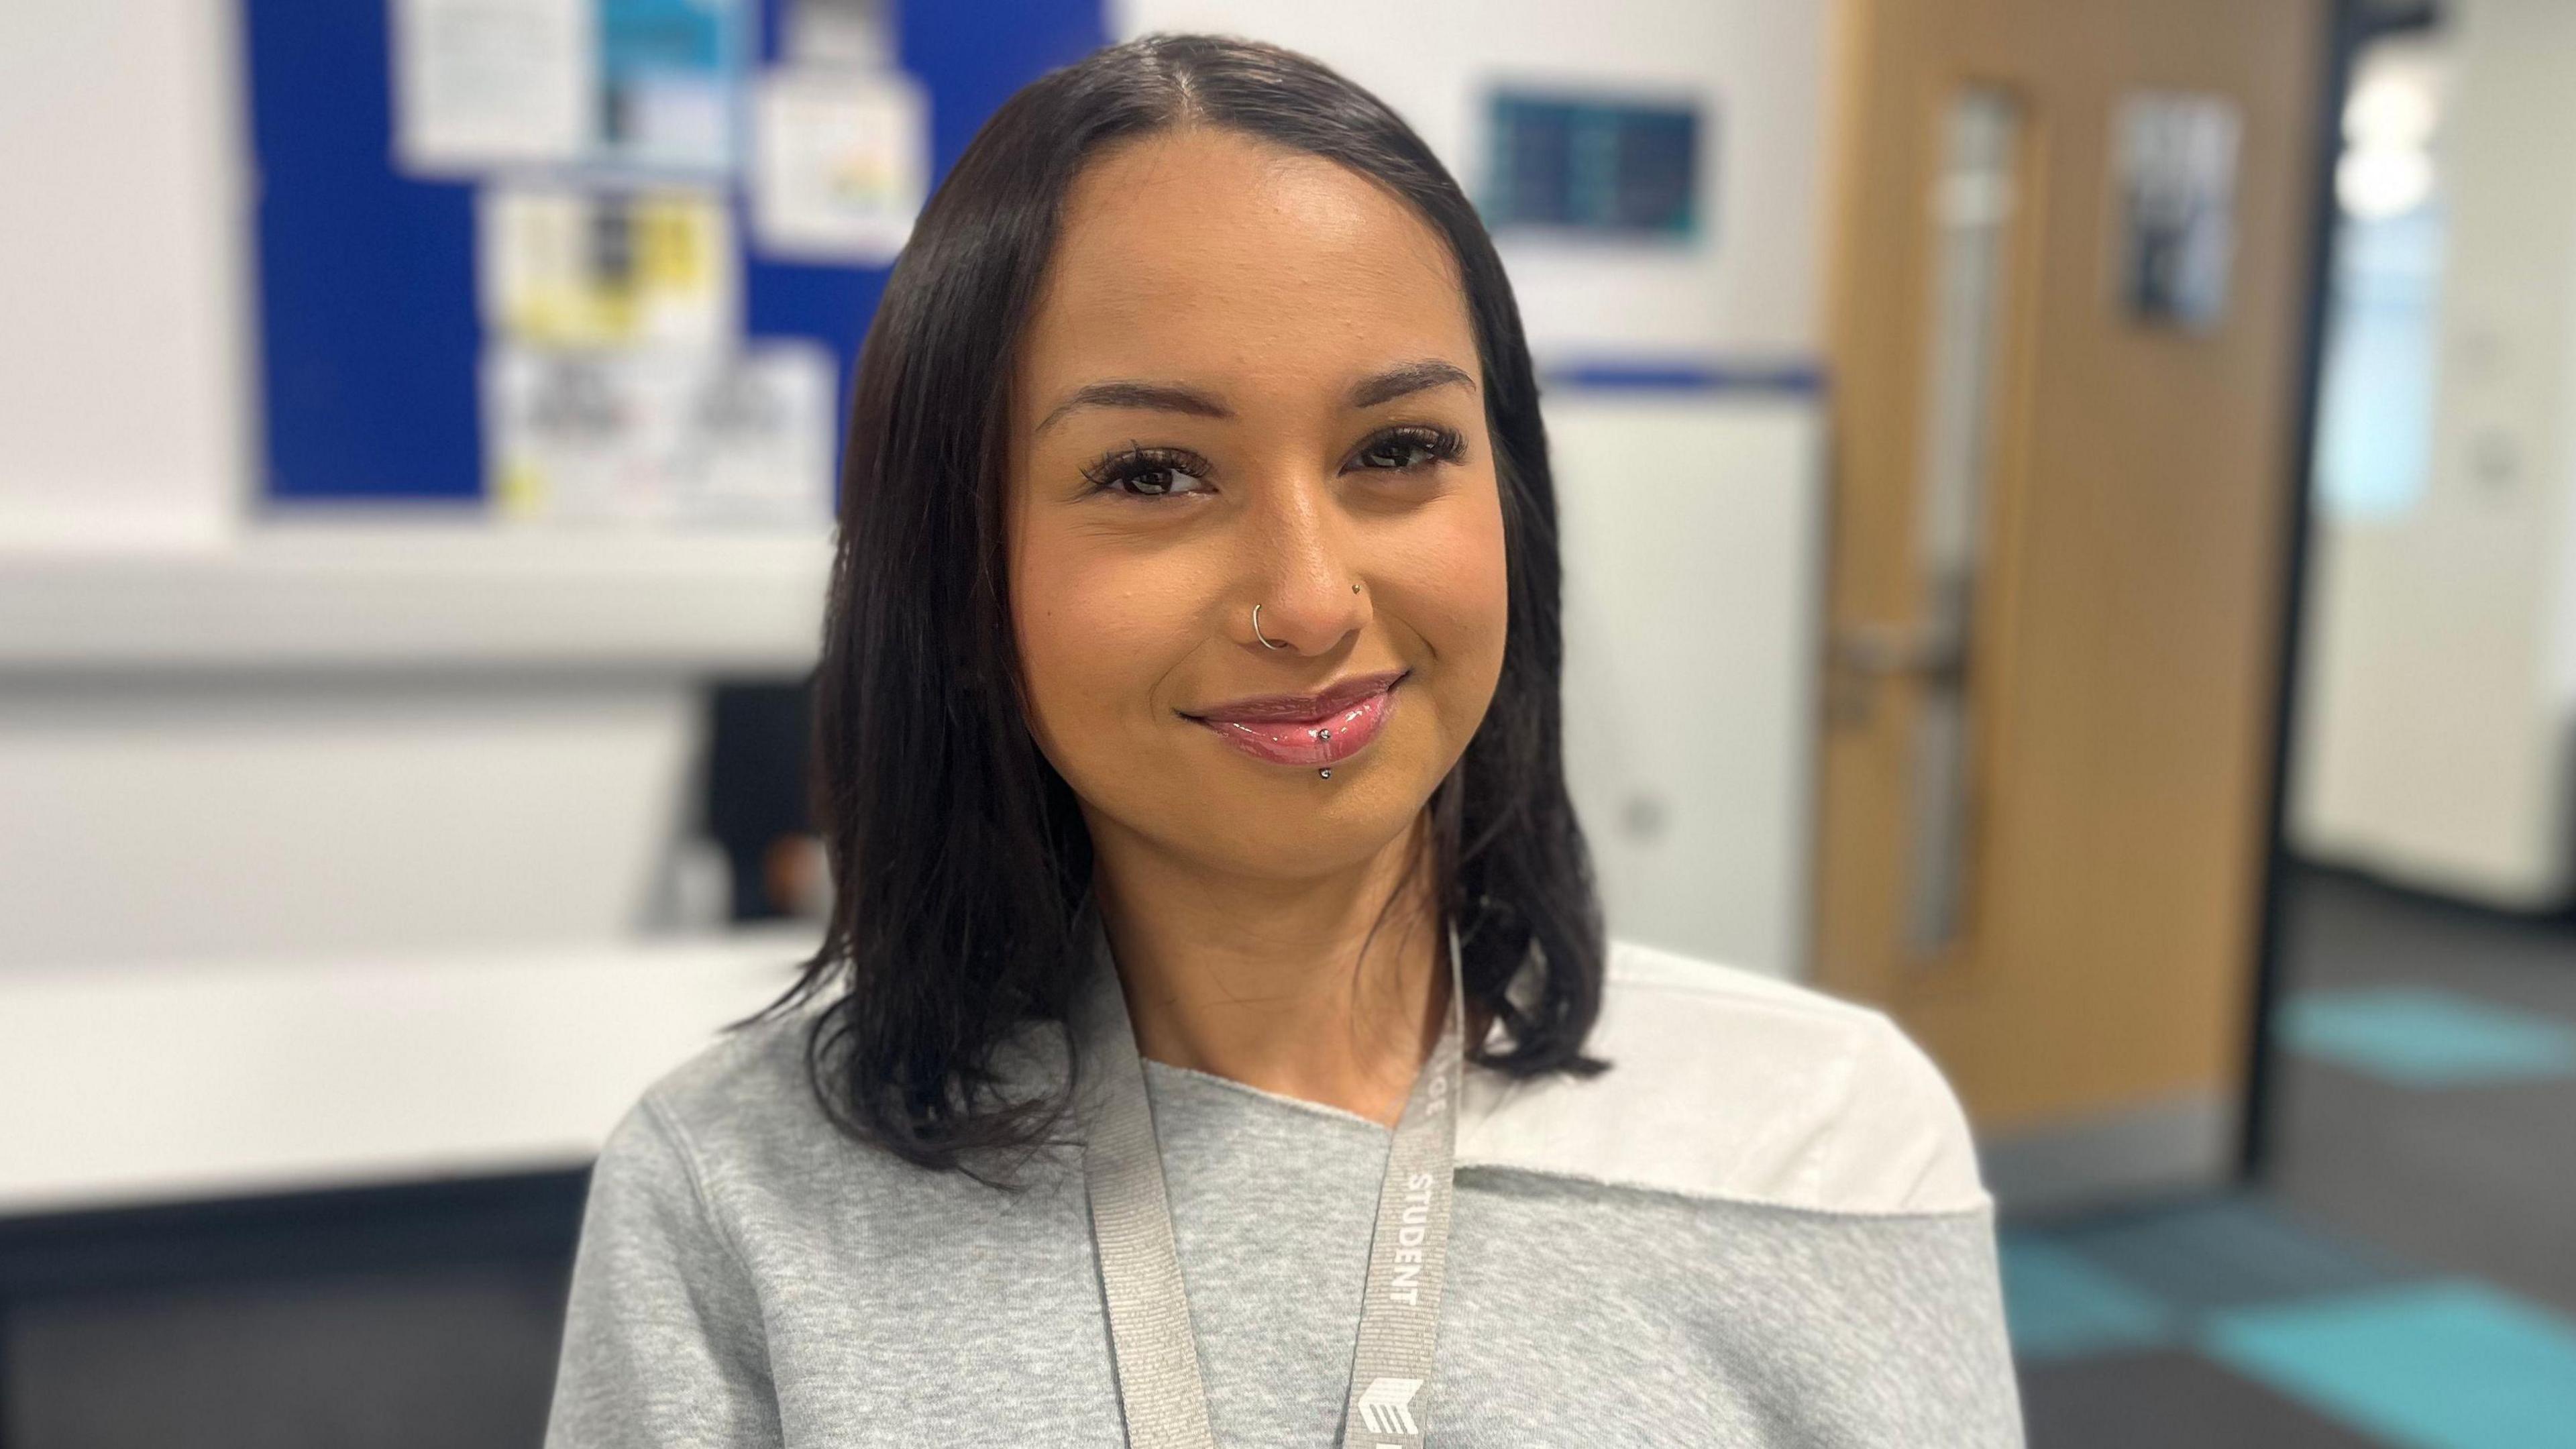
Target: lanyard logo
{"points": [[1387, 1406]]}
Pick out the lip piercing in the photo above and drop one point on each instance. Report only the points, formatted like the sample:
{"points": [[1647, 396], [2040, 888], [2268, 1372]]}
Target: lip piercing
{"points": [[1324, 774], [1256, 630]]}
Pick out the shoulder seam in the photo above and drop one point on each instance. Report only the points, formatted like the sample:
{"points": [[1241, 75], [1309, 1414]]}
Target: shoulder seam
{"points": [[1984, 1203], [1846, 1068], [1944, 1098], [692, 1163]]}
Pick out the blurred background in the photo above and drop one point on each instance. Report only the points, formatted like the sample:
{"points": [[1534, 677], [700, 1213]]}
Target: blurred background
{"points": [[2068, 537]]}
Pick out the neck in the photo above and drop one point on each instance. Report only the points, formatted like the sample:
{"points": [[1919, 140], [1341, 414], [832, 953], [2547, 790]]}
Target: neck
{"points": [[1330, 988]]}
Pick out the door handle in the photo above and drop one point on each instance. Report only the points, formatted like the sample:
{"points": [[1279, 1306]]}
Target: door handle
{"points": [[1940, 801], [1936, 654]]}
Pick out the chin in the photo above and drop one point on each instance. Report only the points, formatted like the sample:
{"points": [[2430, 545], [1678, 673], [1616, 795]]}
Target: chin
{"points": [[1285, 822]]}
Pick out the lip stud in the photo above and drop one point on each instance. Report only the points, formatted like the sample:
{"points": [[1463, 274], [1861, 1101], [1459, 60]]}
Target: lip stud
{"points": [[1323, 774], [1323, 734]]}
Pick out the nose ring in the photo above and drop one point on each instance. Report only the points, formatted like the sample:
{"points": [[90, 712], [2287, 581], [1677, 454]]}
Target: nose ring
{"points": [[1266, 643]]}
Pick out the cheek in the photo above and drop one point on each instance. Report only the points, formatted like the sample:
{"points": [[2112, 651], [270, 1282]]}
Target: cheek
{"points": [[1462, 605], [1098, 627]]}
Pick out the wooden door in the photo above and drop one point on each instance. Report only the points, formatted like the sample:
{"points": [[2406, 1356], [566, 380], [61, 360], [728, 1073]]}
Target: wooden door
{"points": [[2058, 553]]}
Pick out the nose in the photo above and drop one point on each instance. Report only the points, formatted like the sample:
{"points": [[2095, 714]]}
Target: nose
{"points": [[1311, 596]]}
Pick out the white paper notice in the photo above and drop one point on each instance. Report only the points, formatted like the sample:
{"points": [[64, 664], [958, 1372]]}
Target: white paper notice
{"points": [[670, 437], [671, 83], [758, 448], [2176, 169], [850, 33], [483, 83], [842, 164]]}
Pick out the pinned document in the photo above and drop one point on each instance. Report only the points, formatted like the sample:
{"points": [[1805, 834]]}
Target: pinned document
{"points": [[487, 86], [672, 436], [841, 164], [564, 266], [490, 83]]}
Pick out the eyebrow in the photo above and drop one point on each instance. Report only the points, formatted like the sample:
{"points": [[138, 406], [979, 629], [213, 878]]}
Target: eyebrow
{"points": [[1401, 380], [1407, 378], [1161, 397]]}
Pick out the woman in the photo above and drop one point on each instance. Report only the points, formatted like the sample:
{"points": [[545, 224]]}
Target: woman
{"points": [[1189, 763]]}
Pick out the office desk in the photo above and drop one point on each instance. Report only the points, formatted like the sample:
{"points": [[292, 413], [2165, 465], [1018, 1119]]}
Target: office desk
{"points": [[125, 1086]]}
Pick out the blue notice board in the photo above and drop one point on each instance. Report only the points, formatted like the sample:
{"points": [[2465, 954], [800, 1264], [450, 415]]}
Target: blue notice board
{"points": [[370, 339]]}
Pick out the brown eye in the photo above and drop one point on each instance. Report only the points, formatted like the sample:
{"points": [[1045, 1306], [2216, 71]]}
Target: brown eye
{"points": [[1409, 448], [1160, 481], [1397, 453], [1149, 473]]}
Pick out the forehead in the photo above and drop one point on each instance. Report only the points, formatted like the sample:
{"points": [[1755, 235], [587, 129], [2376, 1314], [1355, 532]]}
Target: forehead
{"points": [[1209, 253]]}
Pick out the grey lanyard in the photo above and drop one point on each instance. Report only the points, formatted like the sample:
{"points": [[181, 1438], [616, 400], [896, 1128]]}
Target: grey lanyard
{"points": [[1159, 1388]]}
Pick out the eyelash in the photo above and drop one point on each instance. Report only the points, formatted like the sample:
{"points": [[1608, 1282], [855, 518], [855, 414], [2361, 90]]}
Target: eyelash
{"points": [[1443, 445], [1113, 473], [1121, 469]]}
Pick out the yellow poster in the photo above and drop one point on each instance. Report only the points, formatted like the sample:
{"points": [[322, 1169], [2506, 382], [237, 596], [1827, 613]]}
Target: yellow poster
{"points": [[568, 267]]}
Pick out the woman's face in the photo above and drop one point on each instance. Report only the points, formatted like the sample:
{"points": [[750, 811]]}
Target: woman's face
{"points": [[1251, 379]]}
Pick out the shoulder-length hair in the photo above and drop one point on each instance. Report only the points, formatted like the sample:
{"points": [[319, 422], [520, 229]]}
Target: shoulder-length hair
{"points": [[958, 858]]}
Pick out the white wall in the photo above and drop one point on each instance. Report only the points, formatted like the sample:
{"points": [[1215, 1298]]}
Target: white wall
{"points": [[123, 274], [1748, 289], [1693, 533], [2440, 676]]}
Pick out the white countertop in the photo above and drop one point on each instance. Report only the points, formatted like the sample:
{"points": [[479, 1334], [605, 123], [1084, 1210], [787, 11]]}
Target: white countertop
{"points": [[167, 1081], [393, 589]]}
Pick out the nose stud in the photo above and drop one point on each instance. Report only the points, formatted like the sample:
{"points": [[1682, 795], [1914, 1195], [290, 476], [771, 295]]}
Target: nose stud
{"points": [[1266, 643]]}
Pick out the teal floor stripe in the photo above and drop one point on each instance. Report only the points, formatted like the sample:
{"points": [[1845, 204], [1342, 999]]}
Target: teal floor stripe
{"points": [[2426, 1037], [2443, 1365], [2059, 1306], [2226, 1254]]}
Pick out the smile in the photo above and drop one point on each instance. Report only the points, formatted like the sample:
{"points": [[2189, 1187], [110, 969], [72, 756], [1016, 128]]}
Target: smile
{"points": [[1306, 729]]}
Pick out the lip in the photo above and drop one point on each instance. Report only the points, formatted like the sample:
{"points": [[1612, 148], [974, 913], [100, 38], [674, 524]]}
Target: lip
{"points": [[1316, 729]]}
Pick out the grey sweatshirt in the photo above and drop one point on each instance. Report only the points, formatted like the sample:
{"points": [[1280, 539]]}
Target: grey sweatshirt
{"points": [[1763, 1226]]}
